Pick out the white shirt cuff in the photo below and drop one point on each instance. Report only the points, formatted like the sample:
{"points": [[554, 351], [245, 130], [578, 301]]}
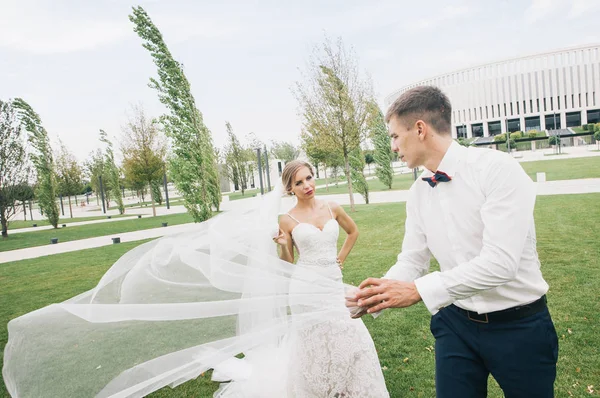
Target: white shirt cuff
{"points": [[433, 292]]}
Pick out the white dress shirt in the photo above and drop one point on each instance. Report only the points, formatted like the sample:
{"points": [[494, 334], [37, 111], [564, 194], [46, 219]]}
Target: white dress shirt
{"points": [[480, 228]]}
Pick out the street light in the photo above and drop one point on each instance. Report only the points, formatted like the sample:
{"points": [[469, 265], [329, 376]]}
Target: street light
{"points": [[507, 135], [262, 189], [268, 169], [557, 134]]}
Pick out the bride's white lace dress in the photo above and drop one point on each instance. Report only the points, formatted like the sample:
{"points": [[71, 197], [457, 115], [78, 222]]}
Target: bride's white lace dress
{"points": [[336, 358]]}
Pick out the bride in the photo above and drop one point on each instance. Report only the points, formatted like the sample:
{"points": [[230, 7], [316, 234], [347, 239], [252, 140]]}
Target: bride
{"points": [[336, 358], [218, 297]]}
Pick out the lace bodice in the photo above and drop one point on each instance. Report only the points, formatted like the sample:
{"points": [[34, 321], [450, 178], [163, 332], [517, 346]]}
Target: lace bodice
{"points": [[317, 247]]}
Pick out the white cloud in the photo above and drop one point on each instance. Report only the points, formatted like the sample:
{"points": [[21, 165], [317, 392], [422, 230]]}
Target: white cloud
{"points": [[581, 8], [542, 8], [33, 27]]}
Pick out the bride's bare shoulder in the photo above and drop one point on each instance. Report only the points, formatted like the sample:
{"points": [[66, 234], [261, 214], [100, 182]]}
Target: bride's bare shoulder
{"points": [[334, 206], [286, 223]]}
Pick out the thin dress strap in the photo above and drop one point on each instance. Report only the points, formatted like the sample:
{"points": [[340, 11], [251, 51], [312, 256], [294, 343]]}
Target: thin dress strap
{"points": [[330, 212], [293, 218]]}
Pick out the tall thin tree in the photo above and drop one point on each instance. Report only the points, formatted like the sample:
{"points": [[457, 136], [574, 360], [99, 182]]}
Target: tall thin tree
{"points": [[14, 170], [43, 161], [113, 181], [383, 151], [193, 166]]}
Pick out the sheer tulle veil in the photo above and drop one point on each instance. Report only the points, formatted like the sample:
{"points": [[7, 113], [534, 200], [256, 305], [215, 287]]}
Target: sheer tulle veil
{"points": [[167, 311]]}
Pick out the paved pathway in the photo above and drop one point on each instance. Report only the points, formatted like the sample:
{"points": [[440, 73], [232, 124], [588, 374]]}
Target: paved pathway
{"points": [[589, 185]]}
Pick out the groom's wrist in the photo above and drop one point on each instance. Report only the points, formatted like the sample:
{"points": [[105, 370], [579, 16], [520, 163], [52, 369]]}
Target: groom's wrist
{"points": [[415, 296]]}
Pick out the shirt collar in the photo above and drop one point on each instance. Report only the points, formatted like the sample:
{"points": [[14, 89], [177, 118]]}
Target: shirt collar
{"points": [[451, 159]]}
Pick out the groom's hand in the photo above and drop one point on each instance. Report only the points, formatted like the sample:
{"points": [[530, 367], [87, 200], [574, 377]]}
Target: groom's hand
{"points": [[378, 294]]}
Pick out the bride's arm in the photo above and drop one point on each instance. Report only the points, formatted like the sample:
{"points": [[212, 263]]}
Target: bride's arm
{"points": [[347, 225], [284, 240]]}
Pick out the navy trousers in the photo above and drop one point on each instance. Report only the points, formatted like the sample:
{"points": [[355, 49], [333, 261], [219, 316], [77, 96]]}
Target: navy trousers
{"points": [[520, 354]]}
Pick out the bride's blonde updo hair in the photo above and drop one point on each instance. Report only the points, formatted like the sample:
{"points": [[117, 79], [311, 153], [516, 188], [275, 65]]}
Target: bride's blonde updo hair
{"points": [[290, 170]]}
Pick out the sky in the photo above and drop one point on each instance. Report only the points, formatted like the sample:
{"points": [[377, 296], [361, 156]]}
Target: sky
{"points": [[81, 66]]}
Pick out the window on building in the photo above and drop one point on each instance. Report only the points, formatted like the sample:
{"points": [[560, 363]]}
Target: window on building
{"points": [[477, 130], [538, 104]]}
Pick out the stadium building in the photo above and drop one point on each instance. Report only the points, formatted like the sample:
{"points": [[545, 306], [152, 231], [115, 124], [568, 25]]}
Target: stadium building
{"points": [[549, 91]]}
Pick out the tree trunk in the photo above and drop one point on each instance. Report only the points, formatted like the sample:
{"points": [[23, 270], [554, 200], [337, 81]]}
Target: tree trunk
{"points": [[76, 204], [70, 207], [24, 210], [326, 181], [349, 180], [4, 222]]}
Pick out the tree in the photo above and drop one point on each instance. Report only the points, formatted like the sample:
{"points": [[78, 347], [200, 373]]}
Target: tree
{"points": [[95, 168], [42, 159], [193, 166], [369, 159], [597, 138], [357, 166], [383, 154], [236, 159], [284, 151], [318, 154], [14, 169], [333, 103], [69, 175], [112, 172], [144, 153]]}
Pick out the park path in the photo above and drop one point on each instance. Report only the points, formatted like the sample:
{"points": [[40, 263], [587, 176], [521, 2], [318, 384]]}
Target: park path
{"points": [[588, 185]]}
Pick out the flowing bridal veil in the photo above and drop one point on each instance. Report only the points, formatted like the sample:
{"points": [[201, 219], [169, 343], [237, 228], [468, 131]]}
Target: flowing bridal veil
{"points": [[173, 308]]}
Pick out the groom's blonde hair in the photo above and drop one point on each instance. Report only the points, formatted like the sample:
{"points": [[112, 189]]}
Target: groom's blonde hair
{"points": [[290, 170]]}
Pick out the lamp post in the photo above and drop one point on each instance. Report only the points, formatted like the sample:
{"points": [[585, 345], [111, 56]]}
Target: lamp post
{"points": [[102, 194], [557, 133], [262, 190], [507, 135], [166, 188], [268, 169]]}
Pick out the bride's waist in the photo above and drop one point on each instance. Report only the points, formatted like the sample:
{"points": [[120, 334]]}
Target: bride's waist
{"points": [[320, 261]]}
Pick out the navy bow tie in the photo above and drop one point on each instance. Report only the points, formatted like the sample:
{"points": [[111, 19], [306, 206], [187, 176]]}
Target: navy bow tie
{"points": [[439, 176]]}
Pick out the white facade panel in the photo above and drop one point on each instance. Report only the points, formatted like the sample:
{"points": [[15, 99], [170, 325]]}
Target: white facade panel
{"points": [[561, 81]]}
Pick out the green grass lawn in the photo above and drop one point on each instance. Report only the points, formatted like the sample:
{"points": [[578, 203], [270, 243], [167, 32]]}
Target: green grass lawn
{"points": [[567, 243], [17, 224], [400, 181], [564, 169], [40, 238]]}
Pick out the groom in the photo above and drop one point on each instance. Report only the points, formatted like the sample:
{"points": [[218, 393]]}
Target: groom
{"points": [[473, 210]]}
